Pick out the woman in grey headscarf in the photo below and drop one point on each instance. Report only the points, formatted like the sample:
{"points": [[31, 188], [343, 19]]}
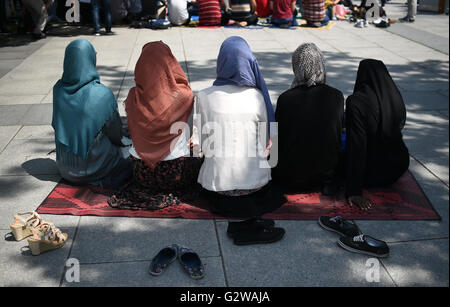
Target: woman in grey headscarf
{"points": [[310, 117]]}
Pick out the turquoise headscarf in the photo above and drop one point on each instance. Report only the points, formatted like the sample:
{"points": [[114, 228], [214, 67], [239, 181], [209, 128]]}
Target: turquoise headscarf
{"points": [[81, 104]]}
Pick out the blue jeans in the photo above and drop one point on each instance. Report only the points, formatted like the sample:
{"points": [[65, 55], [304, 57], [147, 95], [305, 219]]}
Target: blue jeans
{"points": [[106, 4]]}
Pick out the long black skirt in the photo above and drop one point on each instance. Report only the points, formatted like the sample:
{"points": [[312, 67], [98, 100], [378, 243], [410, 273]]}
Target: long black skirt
{"points": [[265, 200]]}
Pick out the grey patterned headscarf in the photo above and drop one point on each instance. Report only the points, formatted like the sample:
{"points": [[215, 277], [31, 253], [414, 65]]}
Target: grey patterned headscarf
{"points": [[308, 64]]}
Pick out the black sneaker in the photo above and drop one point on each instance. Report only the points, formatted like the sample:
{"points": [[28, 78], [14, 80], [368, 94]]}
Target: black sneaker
{"points": [[365, 244], [248, 225], [339, 225]]}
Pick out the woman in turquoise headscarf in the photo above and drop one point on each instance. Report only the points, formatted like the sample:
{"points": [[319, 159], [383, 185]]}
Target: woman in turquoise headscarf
{"points": [[88, 128]]}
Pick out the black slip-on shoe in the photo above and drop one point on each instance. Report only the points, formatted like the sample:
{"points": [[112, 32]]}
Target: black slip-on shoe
{"points": [[364, 244], [339, 225], [163, 259], [248, 225], [191, 262], [260, 236]]}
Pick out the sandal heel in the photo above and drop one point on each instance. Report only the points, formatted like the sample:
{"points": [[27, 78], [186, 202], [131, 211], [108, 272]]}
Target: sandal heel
{"points": [[35, 247], [21, 232]]}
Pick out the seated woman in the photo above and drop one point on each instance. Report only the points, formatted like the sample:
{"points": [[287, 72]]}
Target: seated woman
{"points": [[242, 12], [284, 13], [375, 116], [314, 13], [310, 117], [234, 114], [88, 128], [263, 9], [158, 109], [210, 13]]}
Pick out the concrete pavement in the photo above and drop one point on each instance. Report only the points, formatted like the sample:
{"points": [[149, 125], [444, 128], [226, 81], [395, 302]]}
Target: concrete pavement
{"points": [[117, 251]]}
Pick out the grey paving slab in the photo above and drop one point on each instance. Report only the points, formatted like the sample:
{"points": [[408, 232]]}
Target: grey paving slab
{"points": [[21, 99], [422, 263], [6, 135], [23, 194], [306, 256], [425, 100], [6, 65], [424, 37], [20, 269], [36, 132], [30, 87], [132, 239], [426, 140], [38, 114], [425, 117], [28, 156], [12, 115], [129, 274], [397, 231]]}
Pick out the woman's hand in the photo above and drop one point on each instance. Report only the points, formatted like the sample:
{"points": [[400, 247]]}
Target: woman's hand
{"points": [[360, 201]]}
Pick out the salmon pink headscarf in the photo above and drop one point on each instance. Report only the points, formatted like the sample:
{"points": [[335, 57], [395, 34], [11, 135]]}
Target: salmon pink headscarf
{"points": [[162, 97]]}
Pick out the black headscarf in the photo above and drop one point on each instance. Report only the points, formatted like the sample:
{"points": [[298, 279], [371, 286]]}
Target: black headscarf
{"points": [[374, 84]]}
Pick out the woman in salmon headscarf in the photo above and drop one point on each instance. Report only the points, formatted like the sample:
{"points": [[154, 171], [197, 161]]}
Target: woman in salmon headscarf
{"points": [[158, 109]]}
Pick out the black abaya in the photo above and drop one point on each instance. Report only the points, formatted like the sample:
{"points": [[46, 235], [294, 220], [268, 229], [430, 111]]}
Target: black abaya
{"points": [[310, 123], [375, 115]]}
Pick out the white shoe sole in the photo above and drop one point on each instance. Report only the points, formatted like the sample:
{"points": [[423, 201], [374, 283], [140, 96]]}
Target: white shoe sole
{"points": [[350, 249]]}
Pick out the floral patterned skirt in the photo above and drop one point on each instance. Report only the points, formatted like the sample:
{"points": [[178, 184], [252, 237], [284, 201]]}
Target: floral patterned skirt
{"points": [[170, 183]]}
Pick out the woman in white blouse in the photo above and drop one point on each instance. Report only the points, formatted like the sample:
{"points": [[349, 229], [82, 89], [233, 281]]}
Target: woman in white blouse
{"points": [[231, 124]]}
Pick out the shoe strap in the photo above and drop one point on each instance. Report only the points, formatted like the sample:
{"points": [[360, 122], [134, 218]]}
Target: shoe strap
{"points": [[48, 231], [33, 220]]}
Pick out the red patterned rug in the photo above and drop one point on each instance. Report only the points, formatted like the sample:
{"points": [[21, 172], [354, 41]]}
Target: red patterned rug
{"points": [[405, 200]]}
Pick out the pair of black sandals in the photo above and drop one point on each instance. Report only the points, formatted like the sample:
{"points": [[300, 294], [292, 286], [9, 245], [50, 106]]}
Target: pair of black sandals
{"points": [[254, 231], [352, 239], [189, 260]]}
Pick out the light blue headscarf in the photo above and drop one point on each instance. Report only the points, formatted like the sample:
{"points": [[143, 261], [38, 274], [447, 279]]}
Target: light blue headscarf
{"points": [[236, 65], [81, 105]]}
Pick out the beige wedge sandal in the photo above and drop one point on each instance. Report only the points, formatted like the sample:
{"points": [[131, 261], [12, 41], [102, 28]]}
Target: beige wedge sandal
{"points": [[22, 228], [45, 238]]}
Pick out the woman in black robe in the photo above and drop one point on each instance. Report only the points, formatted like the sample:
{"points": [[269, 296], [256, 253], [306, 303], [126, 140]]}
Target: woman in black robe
{"points": [[310, 118], [375, 116]]}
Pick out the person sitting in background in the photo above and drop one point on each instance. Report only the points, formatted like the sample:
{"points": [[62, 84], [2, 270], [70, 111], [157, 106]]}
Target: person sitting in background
{"points": [[242, 12], [154, 9], [88, 128], [284, 13], [375, 116], [330, 6], [263, 9], [314, 13], [310, 118], [235, 112], [178, 12], [158, 109], [210, 13]]}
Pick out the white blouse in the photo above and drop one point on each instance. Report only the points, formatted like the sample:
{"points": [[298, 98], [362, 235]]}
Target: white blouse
{"points": [[180, 149], [227, 130]]}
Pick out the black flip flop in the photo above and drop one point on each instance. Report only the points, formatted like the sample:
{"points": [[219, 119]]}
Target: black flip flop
{"points": [[191, 263], [162, 260]]}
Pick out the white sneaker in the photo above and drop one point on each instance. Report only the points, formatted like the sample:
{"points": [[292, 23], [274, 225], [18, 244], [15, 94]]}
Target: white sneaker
{"points": [[359, 23]]}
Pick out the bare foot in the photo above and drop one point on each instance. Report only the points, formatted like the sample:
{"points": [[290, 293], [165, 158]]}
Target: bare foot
{"points": [[360, 202]]}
